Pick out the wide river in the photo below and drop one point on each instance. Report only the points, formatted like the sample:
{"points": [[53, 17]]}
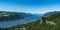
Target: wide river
{"points": [[15, 22]]}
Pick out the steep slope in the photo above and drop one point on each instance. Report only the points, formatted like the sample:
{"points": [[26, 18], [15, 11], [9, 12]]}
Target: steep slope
{"points": [[52, 21]]}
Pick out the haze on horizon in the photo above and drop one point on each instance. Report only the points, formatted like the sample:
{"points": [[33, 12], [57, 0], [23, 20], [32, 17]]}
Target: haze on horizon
{"points": [[30, 6]]}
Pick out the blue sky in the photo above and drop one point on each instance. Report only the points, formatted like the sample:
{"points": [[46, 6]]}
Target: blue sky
{"points": [[30, 6]]}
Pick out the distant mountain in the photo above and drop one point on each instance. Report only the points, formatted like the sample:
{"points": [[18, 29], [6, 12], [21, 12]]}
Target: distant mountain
{"points": [[38, 14], [51, 13]]}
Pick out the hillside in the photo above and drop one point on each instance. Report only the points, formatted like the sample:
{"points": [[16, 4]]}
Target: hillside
{"points": [[51, 22], [6, 16], [51, 13]]}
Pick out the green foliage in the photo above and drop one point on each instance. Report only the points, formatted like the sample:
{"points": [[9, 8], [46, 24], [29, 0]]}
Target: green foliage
{"points": [[36, 26]]}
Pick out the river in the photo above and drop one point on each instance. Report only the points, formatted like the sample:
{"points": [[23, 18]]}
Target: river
{"points": [[11, 23]]}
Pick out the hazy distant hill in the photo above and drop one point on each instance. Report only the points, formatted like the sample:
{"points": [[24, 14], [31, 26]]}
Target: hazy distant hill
{"points": [[51, 13]]}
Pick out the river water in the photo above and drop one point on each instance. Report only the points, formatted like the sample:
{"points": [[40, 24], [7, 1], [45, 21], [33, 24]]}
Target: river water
{"points": [[11, 23]]}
